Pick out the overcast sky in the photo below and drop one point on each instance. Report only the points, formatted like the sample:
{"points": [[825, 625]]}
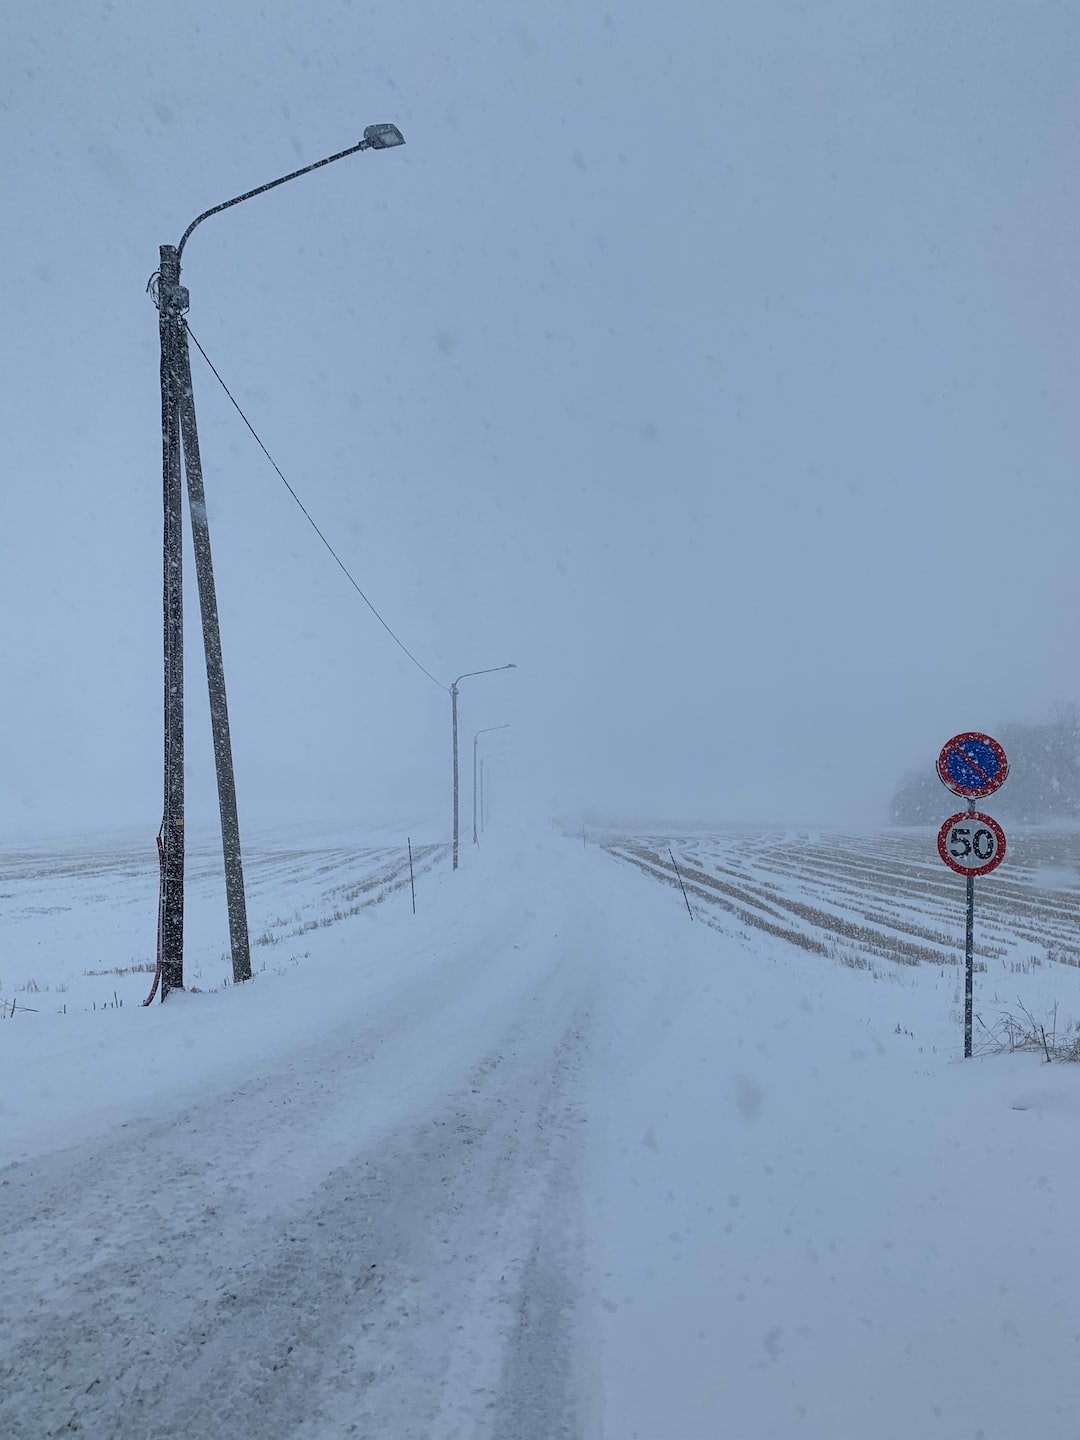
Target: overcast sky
{"points": [[715, 363]]}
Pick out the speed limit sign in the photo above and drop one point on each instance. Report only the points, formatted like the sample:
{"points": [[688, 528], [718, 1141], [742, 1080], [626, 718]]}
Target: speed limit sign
{"points": [[971, 843]]}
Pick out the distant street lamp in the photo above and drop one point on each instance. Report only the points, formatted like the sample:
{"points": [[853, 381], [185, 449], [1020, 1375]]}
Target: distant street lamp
{"points": [[180, 450], [475, 738], [453, 712]]}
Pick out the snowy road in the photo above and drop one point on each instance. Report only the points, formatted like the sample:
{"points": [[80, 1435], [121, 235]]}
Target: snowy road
{"points": [[546, 1160], [359, 1239]]}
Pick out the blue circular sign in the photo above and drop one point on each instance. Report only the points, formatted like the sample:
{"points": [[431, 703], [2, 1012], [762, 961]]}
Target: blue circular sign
{"points": [[972, 764]]}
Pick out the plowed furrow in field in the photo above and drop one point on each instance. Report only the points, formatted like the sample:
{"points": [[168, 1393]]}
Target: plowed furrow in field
{"points": [[880, 893], [930, 888], [753, 918], [777, 911]]}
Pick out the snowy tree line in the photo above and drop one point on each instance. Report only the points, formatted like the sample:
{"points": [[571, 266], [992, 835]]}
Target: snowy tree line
{"points": [[1043, 784]]}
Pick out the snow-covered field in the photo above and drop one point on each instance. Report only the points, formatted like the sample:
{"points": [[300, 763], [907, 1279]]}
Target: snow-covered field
{"points": [[80, 918], [885, 902], [549, 1158]]}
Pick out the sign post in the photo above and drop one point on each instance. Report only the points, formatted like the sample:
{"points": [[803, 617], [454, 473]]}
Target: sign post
{"points": [[971, 843]]}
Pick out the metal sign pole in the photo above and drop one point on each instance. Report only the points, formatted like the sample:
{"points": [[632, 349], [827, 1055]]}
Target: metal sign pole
{"points": [[969, 958], [970, 966]]}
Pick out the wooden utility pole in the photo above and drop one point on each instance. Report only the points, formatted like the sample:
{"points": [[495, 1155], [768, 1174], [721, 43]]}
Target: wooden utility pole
{"points": [[215, 676], [171, 302]]}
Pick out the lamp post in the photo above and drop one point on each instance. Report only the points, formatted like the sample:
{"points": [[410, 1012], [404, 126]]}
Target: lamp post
{"points": [[475, 738], [180, 451], [453, 713]]}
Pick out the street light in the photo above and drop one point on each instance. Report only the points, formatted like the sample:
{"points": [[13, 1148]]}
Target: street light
{"points": [[453, 711], [475, 738], [180, 450]]}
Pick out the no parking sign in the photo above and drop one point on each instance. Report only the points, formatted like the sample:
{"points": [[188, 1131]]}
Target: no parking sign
{"points": [[972, 765]]}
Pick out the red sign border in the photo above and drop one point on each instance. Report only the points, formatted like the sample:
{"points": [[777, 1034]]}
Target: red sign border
{"points": [[983, 790], [992, 864]]}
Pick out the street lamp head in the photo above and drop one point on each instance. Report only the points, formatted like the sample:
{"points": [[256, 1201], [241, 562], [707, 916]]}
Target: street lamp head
{"points": [[376, 137], [383, 137]]}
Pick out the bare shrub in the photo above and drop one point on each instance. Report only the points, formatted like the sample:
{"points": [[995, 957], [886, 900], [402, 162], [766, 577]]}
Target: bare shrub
{"points": [[1023, 1032]]}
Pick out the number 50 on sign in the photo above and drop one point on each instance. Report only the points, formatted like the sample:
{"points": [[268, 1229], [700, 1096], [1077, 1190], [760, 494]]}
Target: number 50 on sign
{"points": [[971, 843]]}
